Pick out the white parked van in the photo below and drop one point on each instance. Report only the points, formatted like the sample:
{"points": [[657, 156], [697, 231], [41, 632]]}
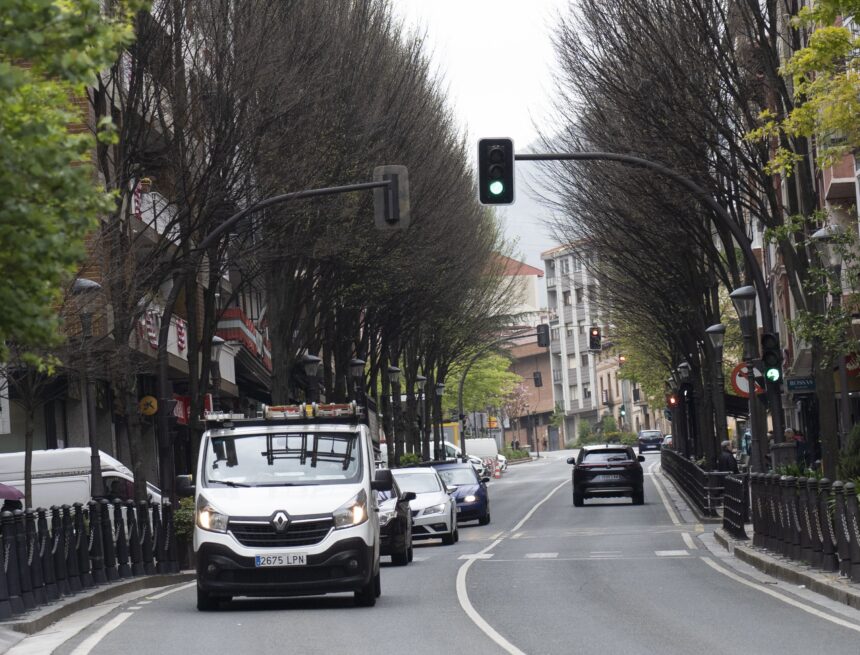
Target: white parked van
{"points": [[62, 476], [483, 447], [287, 505]]}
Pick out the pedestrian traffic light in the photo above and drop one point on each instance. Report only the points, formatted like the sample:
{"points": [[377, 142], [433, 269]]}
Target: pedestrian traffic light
{"points": [[496, 171], [771, 357], [594, 338], [543, 335], [671, 401], [622, 411], [538, 379]]}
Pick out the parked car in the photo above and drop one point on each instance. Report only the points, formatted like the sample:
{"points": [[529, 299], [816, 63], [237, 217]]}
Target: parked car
{"points": [[395, 524], [668, 442], [503, 462], [434, 512], [469, 491], [607, 471], [650, 440]]}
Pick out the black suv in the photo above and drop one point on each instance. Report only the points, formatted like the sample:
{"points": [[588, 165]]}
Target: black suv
{"points": [[650, 440], [606, 471], [395, 524]]}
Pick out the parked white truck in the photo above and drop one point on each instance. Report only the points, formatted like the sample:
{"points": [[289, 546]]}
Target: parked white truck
{"points": [[286, 505]]}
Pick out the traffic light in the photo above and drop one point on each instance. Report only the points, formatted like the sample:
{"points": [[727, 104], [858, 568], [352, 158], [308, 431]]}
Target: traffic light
{"points": [[496, 171], [621, 360], [391, 203], [594, 338], [538, 379], [622, 411], [671, 401], [771, 357], [543, 335]]}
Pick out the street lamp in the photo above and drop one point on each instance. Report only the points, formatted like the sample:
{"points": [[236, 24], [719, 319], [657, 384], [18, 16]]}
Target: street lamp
{"points": [[823, 240], [744, 299], [356, 372], [394, 381], [85, 287], [420, 382], [215, 372], [437, 437], [717, 335], [311, 364]]}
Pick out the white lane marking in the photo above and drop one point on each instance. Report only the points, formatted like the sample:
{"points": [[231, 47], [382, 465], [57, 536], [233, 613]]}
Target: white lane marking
{"points": [[517, 535], [534, 509], [144, 602], [172, 591], [688, 540], [476, 556], [605, 552], [666, 503], [672, 553], [463, 593], [90, 642], [779, 596], [541, 555]]}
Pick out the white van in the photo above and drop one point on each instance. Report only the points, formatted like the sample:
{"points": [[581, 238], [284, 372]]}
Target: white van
{"points": [[62, 476], [483, 447], [286, 505]]}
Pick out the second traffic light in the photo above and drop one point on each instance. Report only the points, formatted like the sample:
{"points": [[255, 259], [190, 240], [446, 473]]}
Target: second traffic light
{"points": [[771, 357], [543, 335], [496, 171], [594, 338]]}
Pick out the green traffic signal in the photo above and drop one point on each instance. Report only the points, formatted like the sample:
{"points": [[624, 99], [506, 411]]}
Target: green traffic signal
{"points": [[497, 187], [772, 374]]}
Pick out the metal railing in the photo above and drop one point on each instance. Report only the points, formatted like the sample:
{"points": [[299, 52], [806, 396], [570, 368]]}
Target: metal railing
{"points": [[809, 520], [704, 488], [736, 505], [50, 553]]}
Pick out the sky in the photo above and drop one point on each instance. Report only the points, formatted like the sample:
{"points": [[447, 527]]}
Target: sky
{"points": [[496, 60]]}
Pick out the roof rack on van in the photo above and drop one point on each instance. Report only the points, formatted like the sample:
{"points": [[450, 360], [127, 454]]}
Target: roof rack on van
{"points": [[325, 412]]}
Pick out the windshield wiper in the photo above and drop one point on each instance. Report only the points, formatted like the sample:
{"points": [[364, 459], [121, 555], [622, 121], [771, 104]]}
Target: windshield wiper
{"points": [[288, 484], [230, 483]]}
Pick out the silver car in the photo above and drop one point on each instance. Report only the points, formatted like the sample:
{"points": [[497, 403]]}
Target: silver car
{"points": [[434, 512]]}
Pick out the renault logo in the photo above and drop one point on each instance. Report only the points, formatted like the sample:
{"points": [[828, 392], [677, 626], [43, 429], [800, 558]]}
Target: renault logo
{"points": [[280, 520]]}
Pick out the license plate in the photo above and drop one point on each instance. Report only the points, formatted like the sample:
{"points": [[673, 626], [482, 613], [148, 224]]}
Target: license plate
{"points": [[287, 559], [607, 478]]}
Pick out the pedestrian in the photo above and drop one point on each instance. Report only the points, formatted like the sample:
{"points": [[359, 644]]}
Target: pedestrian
{"points": [[801, 449], [726, 461]]}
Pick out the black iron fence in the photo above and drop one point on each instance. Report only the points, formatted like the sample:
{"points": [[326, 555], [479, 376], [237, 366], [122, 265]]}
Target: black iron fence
{"points": [[736, 502], [704, 488], [56, 552], [809, 520]]}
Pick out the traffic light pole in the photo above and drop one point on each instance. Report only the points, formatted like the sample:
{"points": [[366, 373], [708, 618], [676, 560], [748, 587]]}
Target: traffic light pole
{"points": [[722, 216], [165, 395]]}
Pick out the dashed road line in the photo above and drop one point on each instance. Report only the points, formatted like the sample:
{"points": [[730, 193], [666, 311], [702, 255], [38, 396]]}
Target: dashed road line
{"points": [[672, 553], [541, 555], [688, 540]]}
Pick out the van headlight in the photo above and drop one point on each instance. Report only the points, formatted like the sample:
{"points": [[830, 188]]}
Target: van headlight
{"points": [[210, 518], [353, 512]]}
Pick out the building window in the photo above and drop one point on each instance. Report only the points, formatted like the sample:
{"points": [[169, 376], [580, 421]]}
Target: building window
{"points": [[586, 390], [565, 265], [573, 392], [554, 334], [569, 330], [583, 359], [566, 298]]}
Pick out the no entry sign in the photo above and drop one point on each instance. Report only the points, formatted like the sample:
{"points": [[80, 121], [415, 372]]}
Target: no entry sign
{"points": [[741, 380]]}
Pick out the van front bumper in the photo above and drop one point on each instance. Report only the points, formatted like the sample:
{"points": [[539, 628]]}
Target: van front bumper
{"points": [[347, 565]]}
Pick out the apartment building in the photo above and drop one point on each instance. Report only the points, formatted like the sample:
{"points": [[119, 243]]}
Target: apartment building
{"points": [[585, 384]]}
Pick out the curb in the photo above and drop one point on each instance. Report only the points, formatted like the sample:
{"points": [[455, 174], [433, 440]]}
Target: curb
{"points": [[514, 462], [830, 585], [701, 518], [38, 619]]}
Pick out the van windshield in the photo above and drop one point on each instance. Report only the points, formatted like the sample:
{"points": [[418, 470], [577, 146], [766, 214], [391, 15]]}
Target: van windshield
{"points": [[286, 459]]}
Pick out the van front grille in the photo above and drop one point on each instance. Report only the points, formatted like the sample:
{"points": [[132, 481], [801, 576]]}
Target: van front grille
{"points": [[264, 535]]}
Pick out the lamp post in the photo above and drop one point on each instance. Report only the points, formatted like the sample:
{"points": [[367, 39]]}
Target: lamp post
{"points": [[85, 287], [716, 335], [356, 372], [394, 381], [420, 382], [437, 439], [831, 257], [744, 299], [215, 372], [311, 365]]}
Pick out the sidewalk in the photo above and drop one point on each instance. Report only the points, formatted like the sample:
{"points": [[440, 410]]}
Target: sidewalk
{"points": [[17, 628], [830, 585]]}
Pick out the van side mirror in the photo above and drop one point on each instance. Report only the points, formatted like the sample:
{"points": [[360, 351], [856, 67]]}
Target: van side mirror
{"points": [[408, 496], [485, 480], [184, 486], [382, 480]]}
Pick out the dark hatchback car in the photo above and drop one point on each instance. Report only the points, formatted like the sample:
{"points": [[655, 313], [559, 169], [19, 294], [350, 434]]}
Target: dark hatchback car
{"points": [[650, 440], [395, 524], [607, 471], [469, 491]]}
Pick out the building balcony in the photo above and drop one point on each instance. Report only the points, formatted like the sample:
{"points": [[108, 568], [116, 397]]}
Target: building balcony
{"points": [[235, 326], [839, 182], [551, 281]]}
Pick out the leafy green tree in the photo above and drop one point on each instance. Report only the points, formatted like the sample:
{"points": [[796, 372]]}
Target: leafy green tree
{"points": [[825, 85], [49, 201], [487, 384]]}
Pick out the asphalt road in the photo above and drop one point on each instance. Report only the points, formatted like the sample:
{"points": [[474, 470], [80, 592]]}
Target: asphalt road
{"points": [[542, 577]]}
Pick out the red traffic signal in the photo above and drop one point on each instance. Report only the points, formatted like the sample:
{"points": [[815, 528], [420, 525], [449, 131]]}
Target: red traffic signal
{"points": [[594, 338], [671, 401]]}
